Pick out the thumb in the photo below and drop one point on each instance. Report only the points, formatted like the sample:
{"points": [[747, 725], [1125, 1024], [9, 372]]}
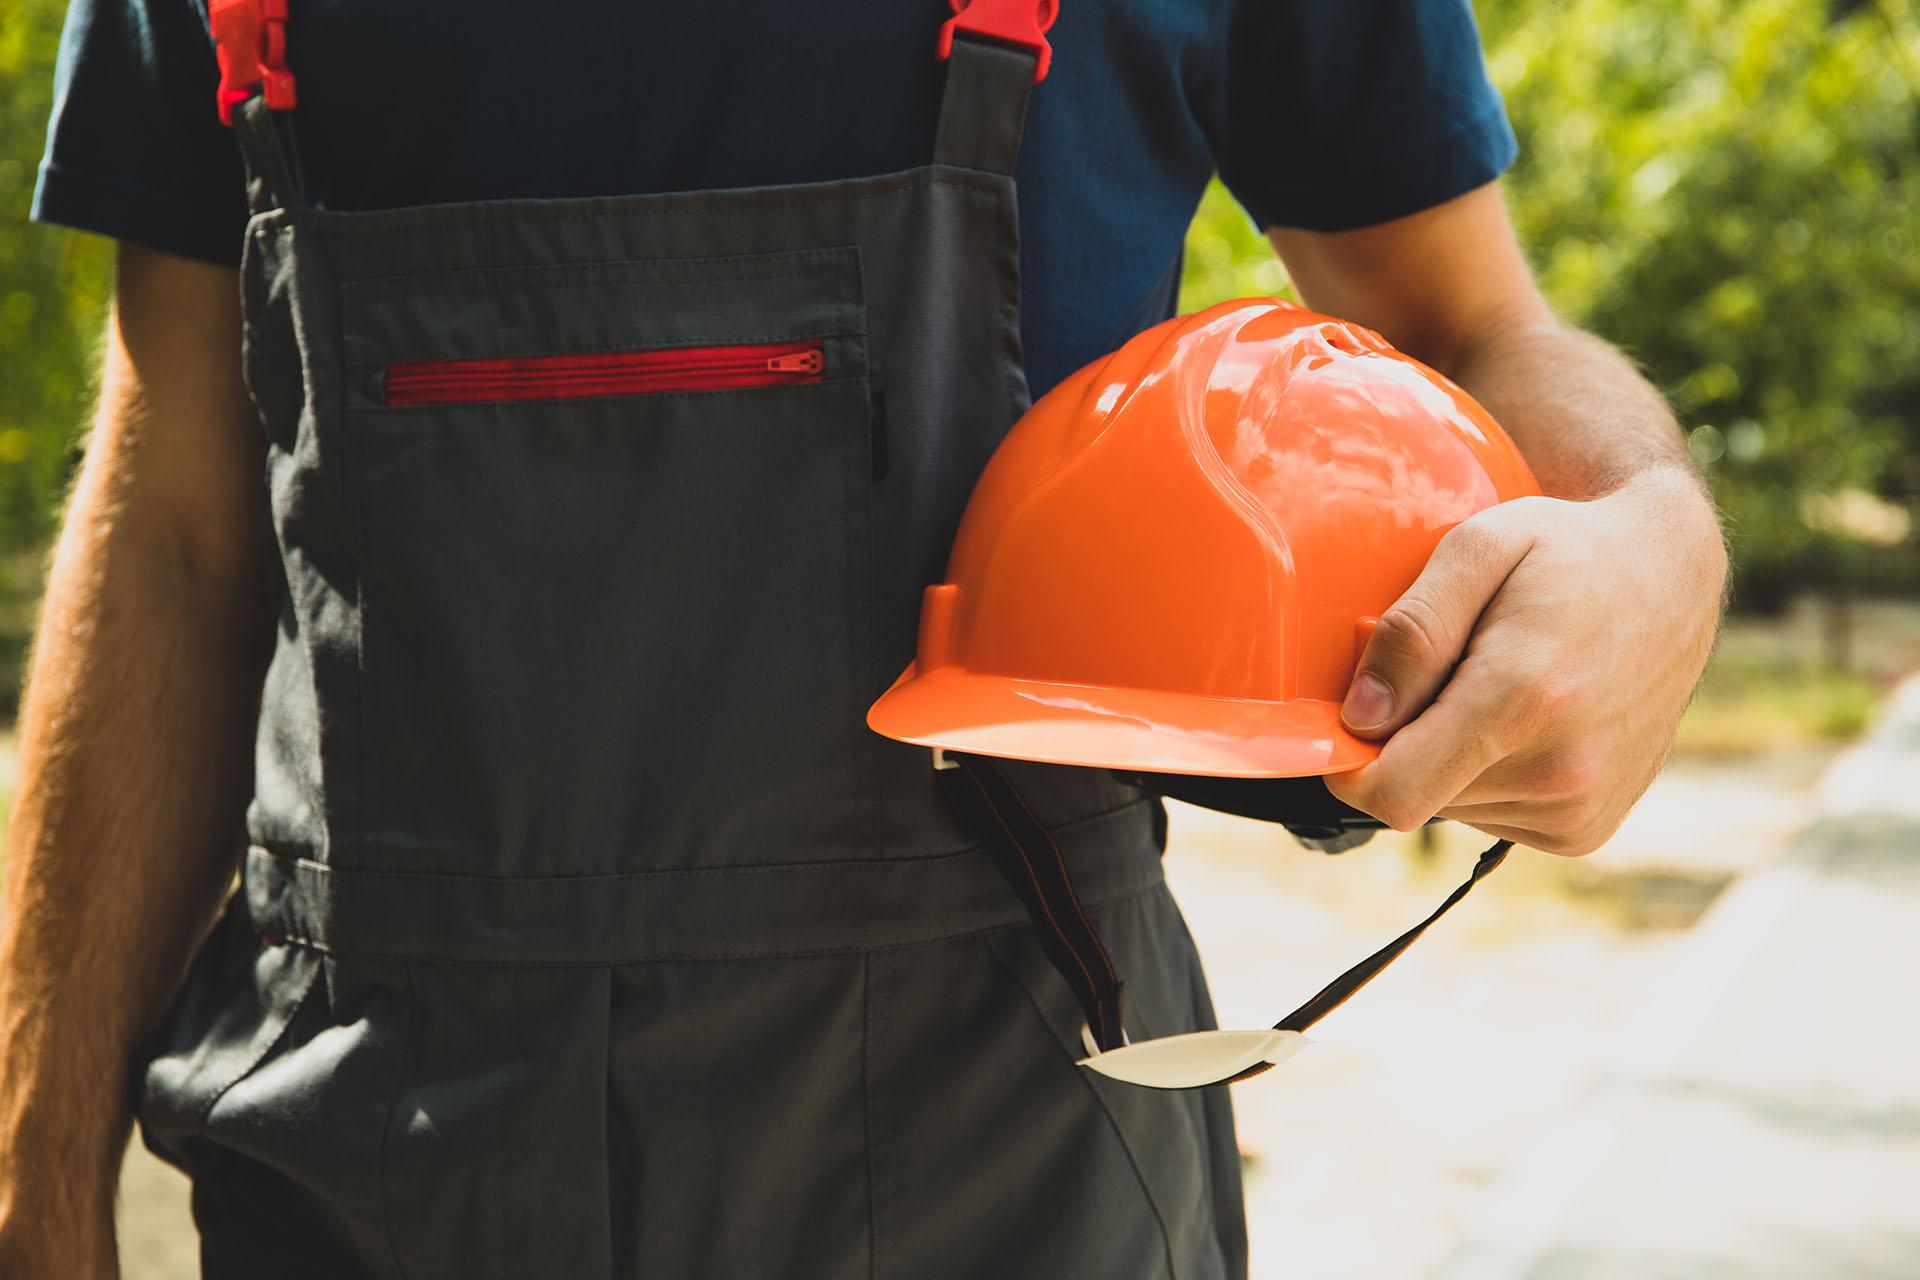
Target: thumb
{"points": [[1417, 642]]}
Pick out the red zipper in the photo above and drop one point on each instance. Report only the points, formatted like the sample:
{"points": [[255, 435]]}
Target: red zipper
{"points": [[603, 373]]}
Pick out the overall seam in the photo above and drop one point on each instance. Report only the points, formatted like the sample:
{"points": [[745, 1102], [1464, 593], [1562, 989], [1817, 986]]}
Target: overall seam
{"points": [[868, 1067], [386, 1128], [260, 851], [798, 953], [299, 597], [377, 222], [363, 569], [602, 274], [1086, 1082]]}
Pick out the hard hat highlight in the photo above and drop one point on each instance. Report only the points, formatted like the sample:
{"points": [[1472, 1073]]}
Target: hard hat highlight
{"points": [[1171, 562]]}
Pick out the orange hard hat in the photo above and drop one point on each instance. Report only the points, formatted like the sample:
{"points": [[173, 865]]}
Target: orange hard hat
{"points": [[1170, 568], [1173, 560]]}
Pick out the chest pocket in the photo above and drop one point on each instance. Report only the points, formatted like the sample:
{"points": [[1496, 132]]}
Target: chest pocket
{"points": [[613, 523]]}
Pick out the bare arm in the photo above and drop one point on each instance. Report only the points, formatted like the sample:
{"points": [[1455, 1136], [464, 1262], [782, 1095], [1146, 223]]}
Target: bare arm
{"points": [[134, 749], [1530, 681], [1450, 287]]}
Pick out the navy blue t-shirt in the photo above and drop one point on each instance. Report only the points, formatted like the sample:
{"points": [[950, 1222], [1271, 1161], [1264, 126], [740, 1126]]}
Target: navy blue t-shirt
{"points": [[1323, 114]]}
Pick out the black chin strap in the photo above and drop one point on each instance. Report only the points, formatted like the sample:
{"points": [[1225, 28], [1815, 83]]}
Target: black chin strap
{"points": [[1341, 989], [1031, 862]]}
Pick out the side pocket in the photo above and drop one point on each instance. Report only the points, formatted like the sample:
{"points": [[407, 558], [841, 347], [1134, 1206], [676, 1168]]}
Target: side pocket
{"points": [[993, 1154], [271, 1088], [569, 480], [230, 1014], [1181, 1144]]}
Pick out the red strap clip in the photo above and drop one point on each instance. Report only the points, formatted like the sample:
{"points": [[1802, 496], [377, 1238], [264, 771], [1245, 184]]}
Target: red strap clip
{"points": [[250, 41], [1021, 23]]}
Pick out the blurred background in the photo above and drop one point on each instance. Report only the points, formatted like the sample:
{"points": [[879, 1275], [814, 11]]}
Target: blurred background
{"points": [[1696, 1052]]}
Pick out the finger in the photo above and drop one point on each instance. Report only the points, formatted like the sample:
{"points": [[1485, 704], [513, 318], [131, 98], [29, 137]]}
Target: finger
{"points": [[1425, 765], [1417, 642]]}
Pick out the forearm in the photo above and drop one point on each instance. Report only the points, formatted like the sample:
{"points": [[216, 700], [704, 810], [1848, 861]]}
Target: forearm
{"points": [[134, 773], [1583, 416], [134, 765], [1590, 426]]}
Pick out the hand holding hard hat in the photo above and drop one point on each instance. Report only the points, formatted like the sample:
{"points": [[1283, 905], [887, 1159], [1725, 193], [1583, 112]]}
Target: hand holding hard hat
{"points": [[1170, 568]]}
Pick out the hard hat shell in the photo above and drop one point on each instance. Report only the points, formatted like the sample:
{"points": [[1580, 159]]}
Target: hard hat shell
{"points": [[1171, 563]]}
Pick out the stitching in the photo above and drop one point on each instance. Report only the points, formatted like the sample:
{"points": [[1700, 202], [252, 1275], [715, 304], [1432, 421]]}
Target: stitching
{"points": [[755, 868], [363, 714], [829, 265], [867, 1069], [676, 957], [1040, 893], [386, 1128], [373, 221], [856, 503], [614, 271], [816, 261], [1061, 861]]}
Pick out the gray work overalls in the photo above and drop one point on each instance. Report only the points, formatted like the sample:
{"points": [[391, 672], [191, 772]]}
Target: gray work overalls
{"points": [[585, 929]]}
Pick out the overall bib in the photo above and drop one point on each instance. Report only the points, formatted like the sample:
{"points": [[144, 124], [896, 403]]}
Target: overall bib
{"points": [[585, 929]]}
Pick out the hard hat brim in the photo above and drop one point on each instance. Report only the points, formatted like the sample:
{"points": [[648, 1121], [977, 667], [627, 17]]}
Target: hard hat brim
{"points": [[1148, 730]]}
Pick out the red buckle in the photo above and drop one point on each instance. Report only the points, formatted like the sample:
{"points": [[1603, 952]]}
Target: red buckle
{"points": [[1021, 23], [250, 41]]}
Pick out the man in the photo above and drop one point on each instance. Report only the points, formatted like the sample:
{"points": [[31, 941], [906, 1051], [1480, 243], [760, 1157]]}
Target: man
{"points": [[583, 929]]}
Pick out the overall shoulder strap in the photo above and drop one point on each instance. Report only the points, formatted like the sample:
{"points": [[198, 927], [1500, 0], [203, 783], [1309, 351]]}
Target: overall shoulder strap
{"points": [[996, 51], [250, 44], [273, 172]]}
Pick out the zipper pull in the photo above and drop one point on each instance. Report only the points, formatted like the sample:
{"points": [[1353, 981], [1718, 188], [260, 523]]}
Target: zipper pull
{"points": [[798, 362]]}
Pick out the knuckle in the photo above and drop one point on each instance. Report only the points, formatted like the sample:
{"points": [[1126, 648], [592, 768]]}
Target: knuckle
{"points": [[1481, 537], [1575, 774], [1532, 509], [1557, 697], [1540, 701], [1414, 630], [1402, 812]]}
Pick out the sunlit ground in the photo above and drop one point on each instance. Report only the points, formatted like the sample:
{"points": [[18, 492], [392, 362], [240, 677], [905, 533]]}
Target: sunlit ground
{"points": [[1695, 1053], [1533, 1091]]}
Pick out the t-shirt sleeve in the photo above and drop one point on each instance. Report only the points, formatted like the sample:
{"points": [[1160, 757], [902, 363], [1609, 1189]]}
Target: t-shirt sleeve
{"points": [[135, 148], [1336, 114]]}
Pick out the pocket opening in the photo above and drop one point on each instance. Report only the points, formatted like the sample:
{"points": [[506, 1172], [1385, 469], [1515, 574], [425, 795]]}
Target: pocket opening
{"points": [[650, 371]]}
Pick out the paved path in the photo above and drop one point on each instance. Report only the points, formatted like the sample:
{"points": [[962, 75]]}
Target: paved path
{"points": [[1763, 1120]]}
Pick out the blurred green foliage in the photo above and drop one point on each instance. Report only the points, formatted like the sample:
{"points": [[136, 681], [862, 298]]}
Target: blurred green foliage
{"points": [[53, 293], [1730, 189], [1744, 707]]}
